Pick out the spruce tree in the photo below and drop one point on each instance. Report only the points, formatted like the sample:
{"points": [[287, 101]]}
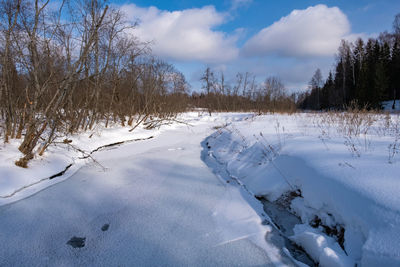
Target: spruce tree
{"points": [[395, 71], [358, 58]]}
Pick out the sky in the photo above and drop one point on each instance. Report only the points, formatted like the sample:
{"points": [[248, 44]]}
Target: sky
{"points": [[287, 38]]}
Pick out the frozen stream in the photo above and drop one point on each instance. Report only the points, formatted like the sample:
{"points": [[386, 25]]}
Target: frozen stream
{"points": [[157, 203]]}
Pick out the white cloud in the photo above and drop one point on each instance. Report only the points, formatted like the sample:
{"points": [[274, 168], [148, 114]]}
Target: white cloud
{"points": [[367, 7], [184, 35], [239, 3], [315, 31]]}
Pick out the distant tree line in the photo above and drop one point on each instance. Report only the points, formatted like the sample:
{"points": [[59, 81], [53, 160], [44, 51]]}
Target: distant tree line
{"points": [[245, 93], [66, 68], [366, 73]]}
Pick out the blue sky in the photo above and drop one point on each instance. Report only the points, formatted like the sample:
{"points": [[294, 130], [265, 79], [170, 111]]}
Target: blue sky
{"points": [[264, 37]]}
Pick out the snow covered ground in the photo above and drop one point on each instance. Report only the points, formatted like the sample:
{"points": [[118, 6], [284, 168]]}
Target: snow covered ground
{"points": [[187, 196], [150, 203], [348, 182], [17, 183]]}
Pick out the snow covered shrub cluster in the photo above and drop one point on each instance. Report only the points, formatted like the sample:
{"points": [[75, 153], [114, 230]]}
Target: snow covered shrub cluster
{"points": [[358, 129]]}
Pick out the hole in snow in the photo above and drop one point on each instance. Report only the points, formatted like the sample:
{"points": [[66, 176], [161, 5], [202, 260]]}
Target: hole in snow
{"points": [[105, 227], [77, 242]]}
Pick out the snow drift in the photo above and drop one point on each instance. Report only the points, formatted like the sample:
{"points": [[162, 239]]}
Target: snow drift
{"points": [[358, 192]]}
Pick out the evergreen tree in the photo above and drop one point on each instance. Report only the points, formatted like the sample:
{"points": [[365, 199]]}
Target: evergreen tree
{"points": [[366, 72], [327, 92], [395, 71], [383, 72], [316, 85], [358, 58]]}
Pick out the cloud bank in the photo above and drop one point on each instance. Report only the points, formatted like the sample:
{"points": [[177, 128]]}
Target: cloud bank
{"points": [[292, 47], [315, 31], [185, 35]]}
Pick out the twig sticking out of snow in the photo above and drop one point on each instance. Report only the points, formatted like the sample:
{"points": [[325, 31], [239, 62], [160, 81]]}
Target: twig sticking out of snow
{"points": [[37, 182]]}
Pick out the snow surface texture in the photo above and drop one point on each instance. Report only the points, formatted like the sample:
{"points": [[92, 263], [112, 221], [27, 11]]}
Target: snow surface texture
{"points": [[161, 203], [344, 179]]}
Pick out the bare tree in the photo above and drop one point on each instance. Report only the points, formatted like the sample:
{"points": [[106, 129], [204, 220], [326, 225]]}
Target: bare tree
{"points": [[316, 84], [66, 69], [267, 96], [208, 80], [396, 25], [343, 58], [9, 17], [36, 30]]}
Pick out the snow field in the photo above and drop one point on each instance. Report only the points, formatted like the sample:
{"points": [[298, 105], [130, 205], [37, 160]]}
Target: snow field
{"points": [[161, 201], [346, 166]]}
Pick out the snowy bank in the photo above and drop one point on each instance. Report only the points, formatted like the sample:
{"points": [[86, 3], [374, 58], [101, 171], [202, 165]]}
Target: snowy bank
{"points": [[348, 180]]}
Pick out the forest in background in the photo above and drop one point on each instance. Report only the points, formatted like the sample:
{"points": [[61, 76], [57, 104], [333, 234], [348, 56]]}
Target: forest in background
{"points": [[365, 74]]}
